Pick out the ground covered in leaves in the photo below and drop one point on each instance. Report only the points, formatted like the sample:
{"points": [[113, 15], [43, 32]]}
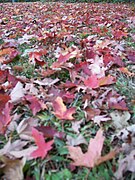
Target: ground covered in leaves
{"points": [[67, 107]]}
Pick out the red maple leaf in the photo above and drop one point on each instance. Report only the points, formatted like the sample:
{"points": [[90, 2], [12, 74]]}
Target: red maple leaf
{"points": [[36, 56], [61, 111], [4, 98], [3, 75], [64, 58], [5, 117], [7, 55], [115, 101], [120, 34], [92, 82], [42, 146], [50, 132], [35, 104]]}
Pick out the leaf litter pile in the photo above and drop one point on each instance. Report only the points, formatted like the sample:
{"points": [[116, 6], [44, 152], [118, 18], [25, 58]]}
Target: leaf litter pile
{"points": [[67, 107]]}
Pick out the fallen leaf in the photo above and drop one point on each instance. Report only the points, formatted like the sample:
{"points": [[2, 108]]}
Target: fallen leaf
{"points": [[120, 34], [4, 98], [92, 82], [131, 56], [17, 93], [35, 104], [30, 87], [3, 75], [12, 168], [88, 159], [25, 127], [7, 55], [25, 39], [61, 111], [91, 112], [97, 67], [107, 157], [107, 80], [5, 117], [76, 126], [66, 55], [50, 132], [42, 146], [16, 149], [35, 57], [101, 118], [71, 141], [115, 102], [126, 71], [47, 82], [120, 119], [127, 137], [126, 164]]}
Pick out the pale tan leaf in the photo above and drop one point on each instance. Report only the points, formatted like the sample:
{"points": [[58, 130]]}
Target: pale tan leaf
{"points": [[17, 93], [13, 168], [120, 119]]}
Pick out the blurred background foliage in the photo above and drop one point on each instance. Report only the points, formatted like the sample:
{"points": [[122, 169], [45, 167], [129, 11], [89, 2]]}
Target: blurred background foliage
{"points": [[71, 1]]}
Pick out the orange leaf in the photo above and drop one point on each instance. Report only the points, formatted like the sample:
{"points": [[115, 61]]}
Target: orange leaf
{"points": [[107, 80], [61, 111], [126, 71], [120, 34], [107, 157]]}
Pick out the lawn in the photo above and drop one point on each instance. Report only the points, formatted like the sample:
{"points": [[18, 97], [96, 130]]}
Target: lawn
{"points": [[67, 91]]}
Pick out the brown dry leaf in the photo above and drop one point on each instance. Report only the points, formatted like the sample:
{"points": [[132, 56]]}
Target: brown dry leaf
{"points": [[91, 112], [13, 168]]}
